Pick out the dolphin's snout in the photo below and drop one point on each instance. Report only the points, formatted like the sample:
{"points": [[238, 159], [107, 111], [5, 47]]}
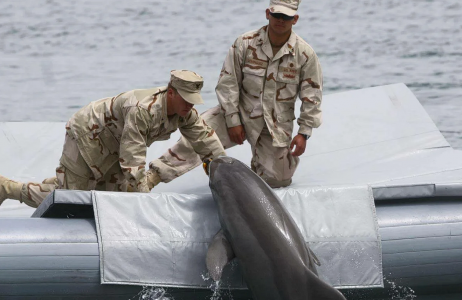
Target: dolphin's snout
{"points": [[225, 159], [214, 164]]}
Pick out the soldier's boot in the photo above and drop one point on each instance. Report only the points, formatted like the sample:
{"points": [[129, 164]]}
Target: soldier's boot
{"points": [[10, 189]]}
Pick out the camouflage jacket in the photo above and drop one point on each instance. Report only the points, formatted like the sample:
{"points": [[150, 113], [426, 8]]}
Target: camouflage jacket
{"points": [[119, 129], [256, 87]]}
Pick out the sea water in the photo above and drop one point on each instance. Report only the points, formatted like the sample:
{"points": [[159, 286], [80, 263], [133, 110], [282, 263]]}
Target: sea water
{"points": [[56, 56]]}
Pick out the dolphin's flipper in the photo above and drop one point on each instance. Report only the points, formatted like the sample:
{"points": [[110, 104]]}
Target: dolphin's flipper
{"points": [[313, 260], [218, 255]]}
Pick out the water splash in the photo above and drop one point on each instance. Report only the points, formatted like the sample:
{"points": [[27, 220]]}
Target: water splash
{"points": [[219, 292], [215, 287], [397, 292], [153, 293]]}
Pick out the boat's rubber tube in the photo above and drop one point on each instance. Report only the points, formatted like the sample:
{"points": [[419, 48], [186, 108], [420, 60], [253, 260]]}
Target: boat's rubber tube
{"points": [[421, 243]]}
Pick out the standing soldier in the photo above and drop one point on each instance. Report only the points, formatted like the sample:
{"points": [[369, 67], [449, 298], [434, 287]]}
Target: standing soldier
{"points": [[106, 141], [262, 75]]}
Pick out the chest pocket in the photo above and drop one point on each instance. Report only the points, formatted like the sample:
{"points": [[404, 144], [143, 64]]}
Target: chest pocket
{"points": [[287, 84], [254, 72]]}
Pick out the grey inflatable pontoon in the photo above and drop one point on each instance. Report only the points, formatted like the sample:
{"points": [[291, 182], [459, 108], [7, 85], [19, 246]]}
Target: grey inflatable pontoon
{"points": [[58, 257], [379, 136]]}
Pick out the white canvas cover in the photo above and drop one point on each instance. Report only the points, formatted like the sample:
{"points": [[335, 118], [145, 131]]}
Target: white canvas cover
{"points": [[162, 239], [378, 136]]}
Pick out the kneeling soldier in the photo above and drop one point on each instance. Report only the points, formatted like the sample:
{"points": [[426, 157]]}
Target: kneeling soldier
{"points": [[106, 141]]}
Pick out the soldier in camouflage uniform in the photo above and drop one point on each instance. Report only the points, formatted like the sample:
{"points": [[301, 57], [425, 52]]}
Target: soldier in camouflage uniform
{"points": [[264, 72], [106, 141]]}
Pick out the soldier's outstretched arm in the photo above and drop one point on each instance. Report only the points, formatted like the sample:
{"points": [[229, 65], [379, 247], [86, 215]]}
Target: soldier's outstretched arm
{"points": [[181, 157], [201, 136]]}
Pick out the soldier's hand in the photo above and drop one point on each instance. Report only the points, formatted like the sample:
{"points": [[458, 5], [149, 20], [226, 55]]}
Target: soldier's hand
{"points": [[300, 145], [152, 178], [237, 134], [205, 164]]}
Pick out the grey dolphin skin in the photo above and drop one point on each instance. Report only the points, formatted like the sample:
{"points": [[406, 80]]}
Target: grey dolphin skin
{"points": [[260, 233]]}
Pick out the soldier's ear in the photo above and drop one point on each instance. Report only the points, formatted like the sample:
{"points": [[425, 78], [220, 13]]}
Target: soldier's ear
{"points": [[267, 14], [170, 92], [294, 21]]}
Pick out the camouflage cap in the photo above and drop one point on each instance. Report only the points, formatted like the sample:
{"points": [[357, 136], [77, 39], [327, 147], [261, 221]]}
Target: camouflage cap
{"points": [[286, 7], [188, 84]]}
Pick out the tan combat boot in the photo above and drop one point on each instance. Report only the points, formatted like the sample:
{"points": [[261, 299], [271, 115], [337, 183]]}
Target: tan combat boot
{"points": [[9, 189]]}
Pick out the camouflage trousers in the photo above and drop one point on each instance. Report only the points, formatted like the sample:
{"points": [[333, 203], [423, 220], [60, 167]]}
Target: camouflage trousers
{"points": [[73, 175], [275, 165]]}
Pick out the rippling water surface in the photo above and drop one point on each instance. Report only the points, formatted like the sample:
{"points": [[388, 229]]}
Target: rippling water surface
{"points": [[56, 56]]}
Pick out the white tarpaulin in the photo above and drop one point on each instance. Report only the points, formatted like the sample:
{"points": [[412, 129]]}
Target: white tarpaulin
{"points": [[378, 136], [162, 239]]}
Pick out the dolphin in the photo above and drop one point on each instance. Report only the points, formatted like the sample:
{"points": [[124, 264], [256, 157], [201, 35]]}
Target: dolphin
{"points": [[276, 262]]}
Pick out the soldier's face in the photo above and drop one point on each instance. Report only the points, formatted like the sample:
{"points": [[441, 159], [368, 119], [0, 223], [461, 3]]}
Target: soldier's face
{"points": [[178, 105], [280, 24]]}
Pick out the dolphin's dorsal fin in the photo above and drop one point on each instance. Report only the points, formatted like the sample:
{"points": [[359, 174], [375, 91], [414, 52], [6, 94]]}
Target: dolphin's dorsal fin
{"points": [[218, 255]]}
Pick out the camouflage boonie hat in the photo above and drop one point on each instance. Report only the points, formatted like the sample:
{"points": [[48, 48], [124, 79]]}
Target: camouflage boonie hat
{"points": [[188, 84], [286, 7]]}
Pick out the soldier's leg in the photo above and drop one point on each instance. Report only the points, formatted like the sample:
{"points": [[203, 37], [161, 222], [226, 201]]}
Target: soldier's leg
{"points": [[76, 176], [34, 193], [30, 193], [10, 189], [181, 158], [275, 165], [73, 172]]}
